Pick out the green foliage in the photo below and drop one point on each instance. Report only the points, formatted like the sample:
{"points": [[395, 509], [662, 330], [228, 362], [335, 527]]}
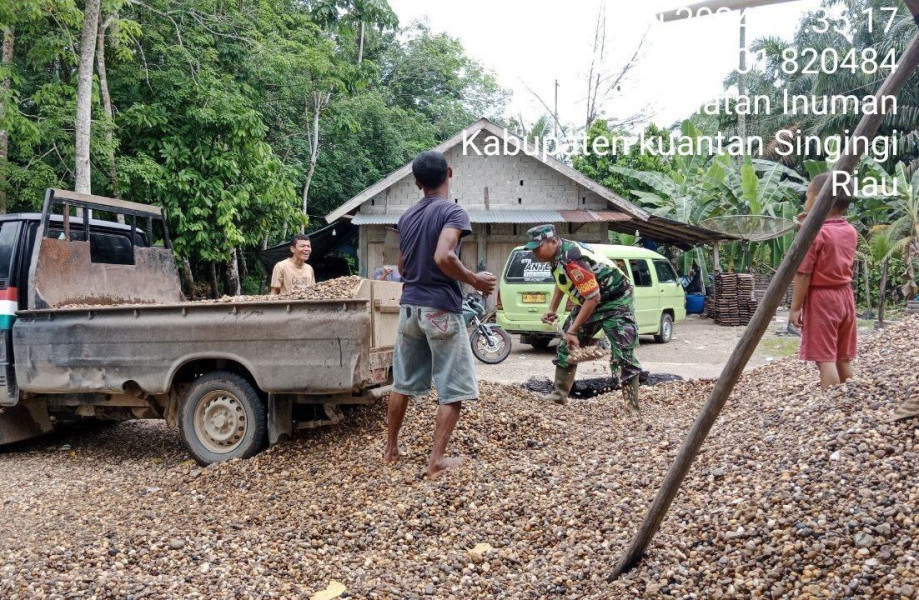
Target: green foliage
{"points": [[431, 73], [252, 285], [770, 79], [209, 108], [600, 168]]}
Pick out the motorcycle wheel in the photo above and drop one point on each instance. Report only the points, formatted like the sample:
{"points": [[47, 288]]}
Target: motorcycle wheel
{"points": [[492, 351]]}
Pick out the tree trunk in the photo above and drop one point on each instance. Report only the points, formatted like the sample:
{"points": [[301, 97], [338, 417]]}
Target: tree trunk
{"points": [[320, 99], [188, 278], [85, 96], [215, 287], [867, 286], [243, 267], [314, 155], [8, 44], [109, 113], [233, 287], [882, 295], [360, 46]]}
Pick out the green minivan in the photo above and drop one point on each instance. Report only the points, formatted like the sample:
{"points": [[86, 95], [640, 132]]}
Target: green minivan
{"points": [[526, 289]]}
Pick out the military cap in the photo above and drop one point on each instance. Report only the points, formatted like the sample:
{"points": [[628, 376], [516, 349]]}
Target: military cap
{"points": [[539, 234]]}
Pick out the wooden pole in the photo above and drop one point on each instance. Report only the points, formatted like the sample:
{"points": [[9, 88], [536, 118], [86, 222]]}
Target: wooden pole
{"points": [[760, 322]]}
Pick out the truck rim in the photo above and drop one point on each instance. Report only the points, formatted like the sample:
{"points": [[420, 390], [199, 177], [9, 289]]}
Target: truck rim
{"points": [[220, 421]]}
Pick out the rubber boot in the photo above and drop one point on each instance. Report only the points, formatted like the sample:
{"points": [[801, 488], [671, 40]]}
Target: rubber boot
{"points": [[630, 394], [564, 381]]}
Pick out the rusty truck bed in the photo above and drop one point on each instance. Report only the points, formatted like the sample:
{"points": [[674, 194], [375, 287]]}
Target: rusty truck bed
{"points": [[295, 346]]}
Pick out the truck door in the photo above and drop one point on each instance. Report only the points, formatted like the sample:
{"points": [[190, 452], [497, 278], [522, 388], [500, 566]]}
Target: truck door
{"points": [[9, 303]]}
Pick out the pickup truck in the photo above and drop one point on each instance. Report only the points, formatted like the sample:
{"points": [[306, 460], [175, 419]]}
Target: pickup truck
{"points": [[94, 325]]}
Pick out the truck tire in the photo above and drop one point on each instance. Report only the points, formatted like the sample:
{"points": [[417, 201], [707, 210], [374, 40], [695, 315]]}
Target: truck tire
{"points": [[665, 333], [222, 417]]}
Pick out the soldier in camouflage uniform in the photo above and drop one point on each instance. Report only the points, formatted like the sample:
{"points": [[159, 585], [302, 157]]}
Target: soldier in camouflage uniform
{"points": [[602, 295]]}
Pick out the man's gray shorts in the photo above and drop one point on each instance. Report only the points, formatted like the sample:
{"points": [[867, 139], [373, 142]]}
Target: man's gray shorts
{"points": [[433, 344]]}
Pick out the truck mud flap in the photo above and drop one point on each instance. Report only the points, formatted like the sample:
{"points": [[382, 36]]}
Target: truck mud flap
{"points": [[23, 421], [280, 418]]}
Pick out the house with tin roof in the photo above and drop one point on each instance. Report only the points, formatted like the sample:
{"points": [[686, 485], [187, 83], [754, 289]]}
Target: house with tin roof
{"points": [[505, 193]]}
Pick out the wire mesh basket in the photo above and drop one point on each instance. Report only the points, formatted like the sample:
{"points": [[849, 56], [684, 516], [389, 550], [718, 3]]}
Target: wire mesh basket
{"points": [[753, 228]]}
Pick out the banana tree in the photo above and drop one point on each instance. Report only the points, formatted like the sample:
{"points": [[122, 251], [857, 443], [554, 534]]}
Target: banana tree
{"points": [[879, 249], [690, 191], [901, 194], [761, 188]]}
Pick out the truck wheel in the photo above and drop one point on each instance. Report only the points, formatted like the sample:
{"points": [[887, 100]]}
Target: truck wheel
{"points": [[222, 417], [665, 333]]}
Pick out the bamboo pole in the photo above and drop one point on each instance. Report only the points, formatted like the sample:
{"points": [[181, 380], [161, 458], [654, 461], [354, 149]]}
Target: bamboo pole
{"points": [[760, 322]]}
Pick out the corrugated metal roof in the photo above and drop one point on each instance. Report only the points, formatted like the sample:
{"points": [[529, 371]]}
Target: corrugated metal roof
{"points": [[578, 216], [378, 219], [476, 216], [515, 216], [656, 228], [609, 216]]}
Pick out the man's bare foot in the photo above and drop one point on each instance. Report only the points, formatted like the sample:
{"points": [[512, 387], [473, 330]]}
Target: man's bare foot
{"points": [[436, 469], [391, 454]]}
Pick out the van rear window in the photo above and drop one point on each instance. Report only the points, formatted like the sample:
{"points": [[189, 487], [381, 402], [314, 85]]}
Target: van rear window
{"points": [[524, 268]]}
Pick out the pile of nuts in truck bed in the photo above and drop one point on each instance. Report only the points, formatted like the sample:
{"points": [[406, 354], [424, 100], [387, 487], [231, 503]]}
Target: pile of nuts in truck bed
{"points": [[342, 288], [797, 492]]}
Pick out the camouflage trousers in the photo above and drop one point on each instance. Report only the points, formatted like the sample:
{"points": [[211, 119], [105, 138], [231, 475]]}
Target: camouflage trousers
{"points": [[618, 323]]}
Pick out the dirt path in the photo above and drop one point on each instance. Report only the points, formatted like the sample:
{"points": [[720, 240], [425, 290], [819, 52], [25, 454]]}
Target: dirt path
{"points": [[698, 351]]}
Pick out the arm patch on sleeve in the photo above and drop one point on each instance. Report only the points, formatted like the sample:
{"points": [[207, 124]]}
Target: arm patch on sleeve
{"points": [[583, 279]]}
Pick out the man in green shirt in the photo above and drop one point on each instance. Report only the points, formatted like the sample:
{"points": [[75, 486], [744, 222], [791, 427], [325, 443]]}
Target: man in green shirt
{"points": [[602, 295]]}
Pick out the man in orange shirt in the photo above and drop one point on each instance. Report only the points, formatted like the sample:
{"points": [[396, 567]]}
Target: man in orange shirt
{"points": [[293, 274]]}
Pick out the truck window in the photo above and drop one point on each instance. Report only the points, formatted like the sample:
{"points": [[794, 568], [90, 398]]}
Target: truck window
{"points": [[524, 268], [109, 248], [665, 272], [9, 236], [640, 272]]}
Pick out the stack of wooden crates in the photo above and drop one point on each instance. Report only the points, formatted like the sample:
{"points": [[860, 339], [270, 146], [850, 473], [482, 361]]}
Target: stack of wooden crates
{"points": [[733, 303]]}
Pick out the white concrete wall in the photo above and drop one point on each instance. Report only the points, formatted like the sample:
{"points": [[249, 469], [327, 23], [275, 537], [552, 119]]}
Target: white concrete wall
{"points": [[488, 243], [541, 187], [512, 182]]}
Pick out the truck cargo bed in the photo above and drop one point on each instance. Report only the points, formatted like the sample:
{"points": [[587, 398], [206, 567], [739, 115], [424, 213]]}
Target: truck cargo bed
{"points": [[288, 346]]}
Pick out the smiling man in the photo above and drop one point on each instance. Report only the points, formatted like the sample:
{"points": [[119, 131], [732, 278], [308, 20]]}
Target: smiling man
{"points": [[602, 296], [293, 274]]}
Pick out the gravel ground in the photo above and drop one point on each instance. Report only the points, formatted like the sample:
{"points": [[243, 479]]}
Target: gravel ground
{"points": [[798, 493]]}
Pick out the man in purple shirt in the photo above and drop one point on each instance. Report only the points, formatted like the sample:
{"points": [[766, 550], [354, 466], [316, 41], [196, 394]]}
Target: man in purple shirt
{"points": [[432, 342]]}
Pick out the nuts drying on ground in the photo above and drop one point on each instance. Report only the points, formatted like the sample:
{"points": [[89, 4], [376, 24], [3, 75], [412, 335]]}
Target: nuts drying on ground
{"points": [[765, 512]]}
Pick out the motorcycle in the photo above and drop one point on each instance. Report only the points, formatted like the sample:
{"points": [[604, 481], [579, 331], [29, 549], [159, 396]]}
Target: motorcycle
{"points": [[490, 343]]}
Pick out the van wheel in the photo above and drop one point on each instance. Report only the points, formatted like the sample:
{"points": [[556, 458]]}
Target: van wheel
{"points": [[222, 417], [665, 333]]}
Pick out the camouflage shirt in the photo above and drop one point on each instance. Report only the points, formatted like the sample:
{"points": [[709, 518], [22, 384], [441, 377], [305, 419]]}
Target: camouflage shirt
{"points": [[583, 274]]}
